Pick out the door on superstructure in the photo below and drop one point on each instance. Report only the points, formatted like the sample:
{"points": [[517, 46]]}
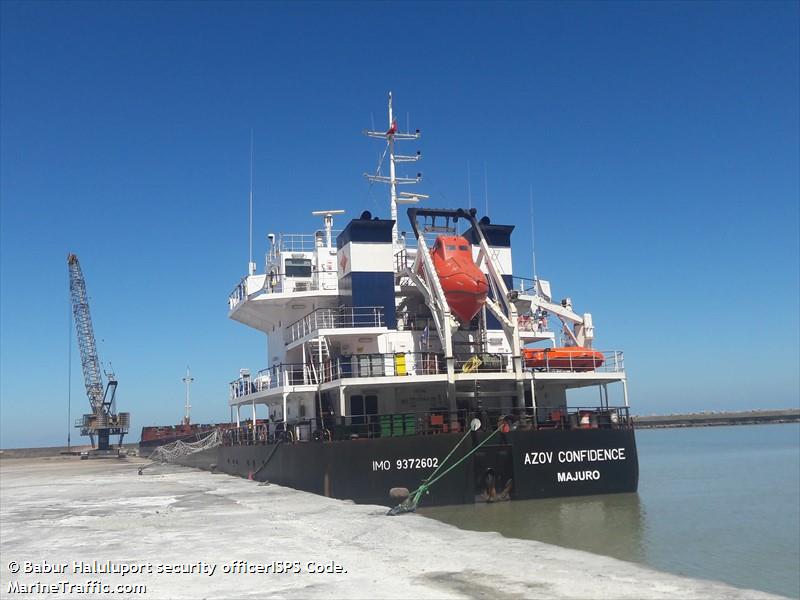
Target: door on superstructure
{"points": [[371, 412], [325, 415], [364, 414], [356, 409]]}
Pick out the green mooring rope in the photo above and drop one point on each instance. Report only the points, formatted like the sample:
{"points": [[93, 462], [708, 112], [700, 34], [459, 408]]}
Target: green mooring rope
{"points": [[410, 503], [446, 458]]}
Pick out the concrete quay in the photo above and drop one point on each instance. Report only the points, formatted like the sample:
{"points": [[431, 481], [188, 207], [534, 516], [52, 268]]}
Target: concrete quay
{"points": [[180, 533]]}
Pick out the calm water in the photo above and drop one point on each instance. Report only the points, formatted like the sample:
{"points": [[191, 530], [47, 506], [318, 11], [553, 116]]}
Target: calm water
{"points": [[714, 502]]}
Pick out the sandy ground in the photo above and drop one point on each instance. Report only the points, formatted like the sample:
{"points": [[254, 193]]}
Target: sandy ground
{"points": [[61, 511]]}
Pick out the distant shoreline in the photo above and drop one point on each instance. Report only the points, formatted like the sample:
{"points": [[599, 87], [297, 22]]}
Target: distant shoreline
{"points": [[54, 451], [709, 419], [704, 419]]}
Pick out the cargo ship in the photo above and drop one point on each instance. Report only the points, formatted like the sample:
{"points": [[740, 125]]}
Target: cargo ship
{"points": [[419, 362], [155, 436]]}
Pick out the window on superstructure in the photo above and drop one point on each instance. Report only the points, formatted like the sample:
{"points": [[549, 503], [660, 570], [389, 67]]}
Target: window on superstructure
{"points": [[298, 267]]}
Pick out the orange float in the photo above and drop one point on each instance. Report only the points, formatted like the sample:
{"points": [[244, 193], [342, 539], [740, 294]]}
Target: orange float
{"points": [[464, 285], [573, 358]]}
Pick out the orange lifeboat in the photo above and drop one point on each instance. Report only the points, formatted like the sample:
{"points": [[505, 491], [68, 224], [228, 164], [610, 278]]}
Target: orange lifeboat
{"points": [[574, 358], [464, 284]]}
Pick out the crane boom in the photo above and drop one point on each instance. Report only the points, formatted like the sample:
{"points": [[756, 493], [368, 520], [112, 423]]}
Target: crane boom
{"points": [[103, 420], [92, 377]]}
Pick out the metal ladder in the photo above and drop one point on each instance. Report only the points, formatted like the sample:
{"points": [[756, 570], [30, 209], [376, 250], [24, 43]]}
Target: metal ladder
{"points": [[318, 353]]}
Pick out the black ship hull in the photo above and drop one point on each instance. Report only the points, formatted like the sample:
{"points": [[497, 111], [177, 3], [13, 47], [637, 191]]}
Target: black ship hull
{"points": [[517, 465]]}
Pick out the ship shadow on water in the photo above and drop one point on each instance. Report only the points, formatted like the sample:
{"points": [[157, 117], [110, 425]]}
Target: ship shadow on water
{"points": [[611, 525]]}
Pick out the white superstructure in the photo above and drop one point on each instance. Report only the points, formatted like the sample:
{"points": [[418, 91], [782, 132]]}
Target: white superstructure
{"points": [[357, 323]]}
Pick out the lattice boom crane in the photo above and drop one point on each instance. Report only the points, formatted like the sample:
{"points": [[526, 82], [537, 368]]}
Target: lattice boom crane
{"points": [[103, 421]]}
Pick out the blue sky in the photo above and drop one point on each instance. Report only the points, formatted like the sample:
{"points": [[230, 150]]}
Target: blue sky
{"points": [[661, 140]]}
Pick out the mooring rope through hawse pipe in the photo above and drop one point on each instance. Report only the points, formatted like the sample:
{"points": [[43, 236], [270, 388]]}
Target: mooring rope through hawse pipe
{"points": [[410, 503]]}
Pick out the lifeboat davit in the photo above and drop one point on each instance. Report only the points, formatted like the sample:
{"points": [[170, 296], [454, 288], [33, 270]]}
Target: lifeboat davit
{"points": [[464, 284], [573, 358]]}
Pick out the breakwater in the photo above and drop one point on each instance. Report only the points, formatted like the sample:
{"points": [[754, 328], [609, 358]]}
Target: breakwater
{"points": [[52, 451], [706, 419]]}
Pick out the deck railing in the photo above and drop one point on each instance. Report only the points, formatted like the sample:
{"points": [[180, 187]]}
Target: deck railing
{"points": [[431, 422], [341, 367], [527, 323], [278, 283], [304, 242], [524, 285], [382, 365], [395, 365], [335, 318], [612, 362], [580, 417], [276, 376], [238, 294]]}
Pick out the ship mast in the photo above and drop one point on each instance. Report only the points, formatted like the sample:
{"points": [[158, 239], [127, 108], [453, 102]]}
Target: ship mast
{"points": [[391, 136], [186, 407]]}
